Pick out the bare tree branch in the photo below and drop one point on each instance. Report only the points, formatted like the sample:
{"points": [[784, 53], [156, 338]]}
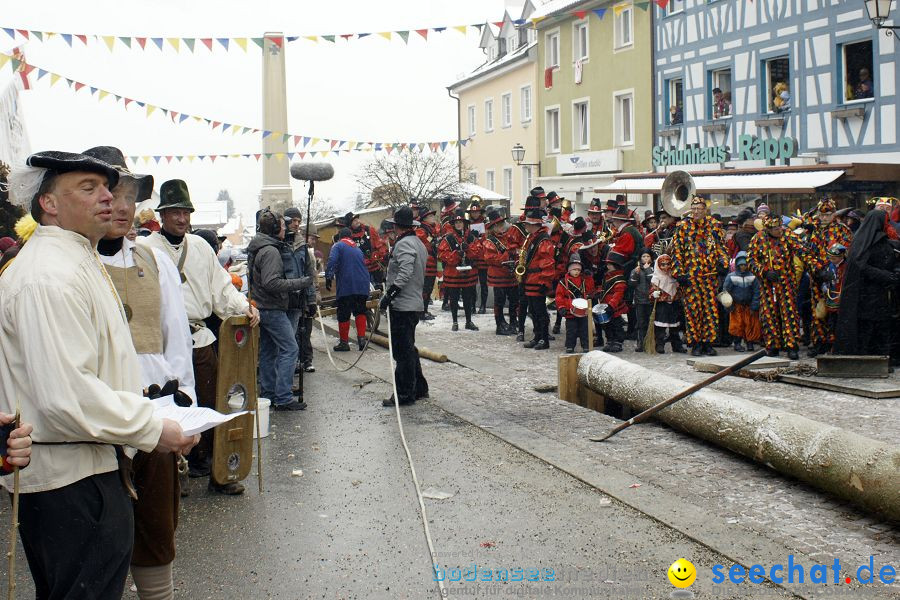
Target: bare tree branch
{"points": [[393, 180]]}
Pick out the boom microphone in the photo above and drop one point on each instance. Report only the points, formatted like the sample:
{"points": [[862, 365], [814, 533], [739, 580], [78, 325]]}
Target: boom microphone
{"points": [[312, 171]]}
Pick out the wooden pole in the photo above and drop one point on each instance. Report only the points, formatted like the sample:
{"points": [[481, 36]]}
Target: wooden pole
{"points": [[13, 530], [259, 475], [640, 418], [590, 317]]}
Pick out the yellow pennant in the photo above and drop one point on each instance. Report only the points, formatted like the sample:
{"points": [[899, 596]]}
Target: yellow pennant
{"points": [[618, 8], [312, 38], [461, 28], [53, 78], [4, 58], [314, 141], [150, 109], [385, 34], [242, 42], [536, 20], [175, 42], [110, 41], [103, 94], [191, 158], [279, 156]]}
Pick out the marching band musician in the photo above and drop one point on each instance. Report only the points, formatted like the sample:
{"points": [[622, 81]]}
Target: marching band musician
{"points": [[698, 258], [572, 286], [531, 202], [613, 295], [429, 232], [374, 249], [476, 224], [566, 244], [457, 250], [535, 270], [501, 249], [661, 236], [448, 212], [595, 217]]}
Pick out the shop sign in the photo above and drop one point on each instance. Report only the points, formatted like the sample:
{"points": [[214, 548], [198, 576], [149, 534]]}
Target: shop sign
{"points": [[604, 161], [749, 147]]}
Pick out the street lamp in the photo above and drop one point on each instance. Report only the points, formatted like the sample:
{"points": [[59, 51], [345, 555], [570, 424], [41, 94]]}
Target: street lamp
{"points": [[879, 11], [518, 155]]}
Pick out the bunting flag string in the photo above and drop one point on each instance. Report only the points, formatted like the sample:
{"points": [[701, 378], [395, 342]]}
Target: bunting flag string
{"points": [[306, 142], [214, 44]]}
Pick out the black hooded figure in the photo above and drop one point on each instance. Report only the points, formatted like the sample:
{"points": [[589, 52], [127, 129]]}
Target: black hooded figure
{"points": [[869, 291]]}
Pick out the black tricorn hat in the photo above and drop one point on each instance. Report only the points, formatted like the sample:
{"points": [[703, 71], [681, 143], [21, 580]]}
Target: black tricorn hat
{"points": [[612, 204], [348, 218], [174, 194], [596, 205], [114, 157], [532, 202], [623, 213], [534, 216], [67, 162], [459, 215], [403, 218], [449, 203], [494, 216], [579, 225], [553, 198], [537, 192]]}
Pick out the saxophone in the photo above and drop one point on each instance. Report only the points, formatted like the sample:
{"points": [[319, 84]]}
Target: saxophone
{"points": [[520, 266]]}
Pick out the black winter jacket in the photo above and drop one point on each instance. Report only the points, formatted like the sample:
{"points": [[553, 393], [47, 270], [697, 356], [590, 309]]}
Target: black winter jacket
{"points": [[268, 286]]}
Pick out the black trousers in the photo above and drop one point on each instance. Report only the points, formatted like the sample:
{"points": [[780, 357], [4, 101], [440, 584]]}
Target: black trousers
{"points": [[468, 298], [411, 383], [355, 304], [523, 308], [78, 538], [427, 288], [874, 337], [615, 330], [304, 339], [641, 321], [483, 285], [540, 318], [503, 295], [577, 329]]}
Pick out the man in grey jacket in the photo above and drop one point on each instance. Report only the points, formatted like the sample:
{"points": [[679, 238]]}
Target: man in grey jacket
{"points": [[405, 279], [270, 289]]}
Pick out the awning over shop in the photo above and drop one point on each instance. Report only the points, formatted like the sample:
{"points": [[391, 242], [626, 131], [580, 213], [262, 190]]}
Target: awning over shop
{"points": [[800, 182], [468, 190]]}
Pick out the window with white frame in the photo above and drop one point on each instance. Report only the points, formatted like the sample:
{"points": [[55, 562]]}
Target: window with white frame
{"points": [[624, 118], [507, 182], [489, 115], [552, 49], [527, 179], [581, 126], [674, 7], [492, 52], [857, 76], [580, 48], [623, 27], [526, 103], [512, 41], [777, 73], [506, 110], [552, 120], [489, 179], [676, 101], [471, 111], [720, 95]]}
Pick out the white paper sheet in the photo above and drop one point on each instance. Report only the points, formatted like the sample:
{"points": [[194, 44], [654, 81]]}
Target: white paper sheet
{"points": [[193, 419]]}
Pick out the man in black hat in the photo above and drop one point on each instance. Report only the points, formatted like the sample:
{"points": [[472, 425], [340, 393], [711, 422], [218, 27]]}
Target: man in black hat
{"points": [[428, 232], [501, 251], [457, 251], [207, 289], [449, 206], [373, 247], [72, 366], [405, 276], [299, 261], [476, 224], [595, 217], [535, 272]]}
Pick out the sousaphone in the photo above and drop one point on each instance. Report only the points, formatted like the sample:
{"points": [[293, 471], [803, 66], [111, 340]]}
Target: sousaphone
{"points": [[677, 190]]}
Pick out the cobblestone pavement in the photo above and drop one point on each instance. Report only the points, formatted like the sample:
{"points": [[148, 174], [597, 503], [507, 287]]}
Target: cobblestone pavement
{"points": [[723, 499]]}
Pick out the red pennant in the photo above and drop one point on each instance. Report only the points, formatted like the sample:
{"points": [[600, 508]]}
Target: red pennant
{"points": [[256, 156], [333, 144], [498, 24], [207, 42], [23, 33], [580, 14], [216, 124], [423, 33], [168, 159], [212, 157], [83, 38], [278, 41], [296, 140], [127, 100], [141, 41], [662, 3], [302, 154], [347, 36], [78, 85], [173, 114]]}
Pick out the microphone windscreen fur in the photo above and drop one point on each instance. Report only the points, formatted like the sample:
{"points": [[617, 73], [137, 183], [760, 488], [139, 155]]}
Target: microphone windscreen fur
{"points": [[312, 171]]}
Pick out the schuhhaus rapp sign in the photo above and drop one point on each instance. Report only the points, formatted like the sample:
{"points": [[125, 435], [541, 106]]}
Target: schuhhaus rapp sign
{"points": [[749, 147]]}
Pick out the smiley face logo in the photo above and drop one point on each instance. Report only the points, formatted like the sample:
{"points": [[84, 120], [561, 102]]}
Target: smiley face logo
{"points": [[682, 573]]}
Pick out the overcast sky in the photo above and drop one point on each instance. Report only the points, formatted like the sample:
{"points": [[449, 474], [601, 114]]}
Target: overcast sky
{"points": [[368, 89]]}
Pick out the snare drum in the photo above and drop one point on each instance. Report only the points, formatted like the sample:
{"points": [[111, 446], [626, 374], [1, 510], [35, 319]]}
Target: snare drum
{"points": [[601, 317], [579, 307]]}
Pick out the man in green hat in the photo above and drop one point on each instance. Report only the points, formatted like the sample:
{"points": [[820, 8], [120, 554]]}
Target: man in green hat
{"points": [[207, 289]]}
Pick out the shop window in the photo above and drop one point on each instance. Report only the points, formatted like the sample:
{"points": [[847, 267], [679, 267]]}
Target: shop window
{"points": [[552, 130], [858, 75], [779, 96], [623, 28], [676, 101], [581, 125], [720, 94]]}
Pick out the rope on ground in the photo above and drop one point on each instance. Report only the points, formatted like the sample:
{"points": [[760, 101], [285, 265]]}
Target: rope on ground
{"points": [[366, 347], [772, 375], [442, 591]]}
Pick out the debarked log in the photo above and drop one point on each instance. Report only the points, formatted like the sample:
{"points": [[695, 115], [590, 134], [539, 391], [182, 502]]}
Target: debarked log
{"points": [[848, 465]]}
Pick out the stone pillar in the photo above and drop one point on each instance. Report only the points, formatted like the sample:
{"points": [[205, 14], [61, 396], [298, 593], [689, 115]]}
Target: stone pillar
{"points": [[276, 188]]}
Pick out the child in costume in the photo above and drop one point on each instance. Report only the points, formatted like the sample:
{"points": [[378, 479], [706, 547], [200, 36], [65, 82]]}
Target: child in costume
{"points": [[667, 298], [744, 318], [574, 285]]}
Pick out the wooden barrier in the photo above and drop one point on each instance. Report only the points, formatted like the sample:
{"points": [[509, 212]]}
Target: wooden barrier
{"points": [[569, 388]]}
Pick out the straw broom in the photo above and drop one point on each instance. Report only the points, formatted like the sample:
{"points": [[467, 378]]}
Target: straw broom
{"points": [[650, 337]]}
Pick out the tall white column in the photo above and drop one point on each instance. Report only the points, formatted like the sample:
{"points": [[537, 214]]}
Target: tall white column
{"points": [[276, 188]]}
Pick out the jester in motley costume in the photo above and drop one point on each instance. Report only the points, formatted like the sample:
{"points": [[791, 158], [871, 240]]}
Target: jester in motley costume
{"points": [[698, 258], [827, 233], [771, 258]]}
